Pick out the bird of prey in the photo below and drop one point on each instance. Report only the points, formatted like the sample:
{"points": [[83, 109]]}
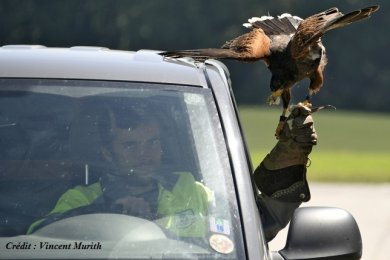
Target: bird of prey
{"points": [[291, 47]]}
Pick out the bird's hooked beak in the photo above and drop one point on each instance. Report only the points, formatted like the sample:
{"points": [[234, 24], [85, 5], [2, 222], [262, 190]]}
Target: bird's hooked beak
{"points": [[274, 98]]}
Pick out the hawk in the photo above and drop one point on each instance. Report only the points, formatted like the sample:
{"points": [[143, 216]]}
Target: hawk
{"points": [[291, 48]]}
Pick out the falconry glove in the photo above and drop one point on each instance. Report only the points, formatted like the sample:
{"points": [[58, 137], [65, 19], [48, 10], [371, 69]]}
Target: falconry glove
{"points": [[282, 173]]}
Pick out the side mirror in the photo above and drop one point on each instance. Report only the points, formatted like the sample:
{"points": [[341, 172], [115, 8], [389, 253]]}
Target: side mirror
{"points": [[322, 233]]}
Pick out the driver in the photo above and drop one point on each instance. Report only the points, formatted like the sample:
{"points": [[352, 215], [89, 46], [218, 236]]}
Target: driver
{"points": [[134, 184], [135, 148]]}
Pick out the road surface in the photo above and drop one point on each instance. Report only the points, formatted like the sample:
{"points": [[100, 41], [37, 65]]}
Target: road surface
{"points": [[368, 203]]}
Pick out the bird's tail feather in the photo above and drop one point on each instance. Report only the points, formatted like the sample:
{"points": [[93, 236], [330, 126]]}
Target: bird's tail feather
{"points": [[283, 24], [202, 54]]}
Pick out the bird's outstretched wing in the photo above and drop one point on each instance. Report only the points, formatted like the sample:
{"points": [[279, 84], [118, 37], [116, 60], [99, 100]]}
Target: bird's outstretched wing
{"points": [[251, 46], [313, 28]]}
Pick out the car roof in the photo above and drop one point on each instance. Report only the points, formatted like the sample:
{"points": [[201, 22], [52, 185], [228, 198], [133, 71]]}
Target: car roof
{"points": [[96, 63]]}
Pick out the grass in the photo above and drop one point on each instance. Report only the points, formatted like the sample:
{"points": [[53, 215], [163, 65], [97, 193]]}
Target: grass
{"points": [[352, 146]]}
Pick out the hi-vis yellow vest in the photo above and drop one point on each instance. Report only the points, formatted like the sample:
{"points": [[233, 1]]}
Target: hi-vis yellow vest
{"points": [[183, 210]]}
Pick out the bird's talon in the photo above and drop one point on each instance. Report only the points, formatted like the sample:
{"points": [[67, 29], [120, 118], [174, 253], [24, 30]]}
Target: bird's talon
{"points": [[279, 128]]}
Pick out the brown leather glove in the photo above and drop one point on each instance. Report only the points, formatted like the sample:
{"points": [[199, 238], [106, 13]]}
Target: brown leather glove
{"points": [[282, 173]]}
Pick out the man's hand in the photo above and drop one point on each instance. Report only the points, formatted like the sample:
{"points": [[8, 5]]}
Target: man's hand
{"points": [[282, 173], [295, 142], [134, 206], [281, 176]]}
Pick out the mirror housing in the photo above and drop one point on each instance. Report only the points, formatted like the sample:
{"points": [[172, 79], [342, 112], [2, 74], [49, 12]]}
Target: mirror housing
{"points": [[322, 233]]}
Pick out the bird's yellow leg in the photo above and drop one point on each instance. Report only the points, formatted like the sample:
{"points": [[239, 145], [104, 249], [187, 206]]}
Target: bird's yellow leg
{"points": [[281, 123], [274, 97]]}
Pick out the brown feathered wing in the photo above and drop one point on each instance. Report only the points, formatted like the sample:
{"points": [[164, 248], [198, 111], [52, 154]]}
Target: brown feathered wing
{"points": [[251, 46], [314, 27]]}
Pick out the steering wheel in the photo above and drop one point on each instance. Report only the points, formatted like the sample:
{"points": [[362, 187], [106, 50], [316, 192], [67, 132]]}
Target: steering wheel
{"points": [[102, 227]]}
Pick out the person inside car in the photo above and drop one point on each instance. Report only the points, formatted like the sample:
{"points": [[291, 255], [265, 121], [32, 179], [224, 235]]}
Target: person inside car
{"points": [[134, 186], [134, 183]]}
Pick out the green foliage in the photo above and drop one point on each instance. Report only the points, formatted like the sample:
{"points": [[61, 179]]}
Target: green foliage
{"points": [[352, 146], [357, 76]]}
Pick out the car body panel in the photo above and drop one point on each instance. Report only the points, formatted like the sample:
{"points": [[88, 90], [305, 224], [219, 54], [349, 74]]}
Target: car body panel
{"points": [[94, 63], [240, 163]]}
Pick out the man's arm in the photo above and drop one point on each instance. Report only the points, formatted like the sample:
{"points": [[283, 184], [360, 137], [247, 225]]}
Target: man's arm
{"points": [[281, 176], [73, 198]]}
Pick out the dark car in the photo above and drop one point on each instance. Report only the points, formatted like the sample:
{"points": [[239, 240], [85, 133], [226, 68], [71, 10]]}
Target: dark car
{"points": [[62, 177]]}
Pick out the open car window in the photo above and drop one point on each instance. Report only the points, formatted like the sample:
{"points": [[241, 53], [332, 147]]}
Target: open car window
{"points": [[92, 169]]}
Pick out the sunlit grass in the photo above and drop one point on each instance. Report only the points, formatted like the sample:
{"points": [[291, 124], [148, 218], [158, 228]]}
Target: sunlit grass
{"points": [[343, 166], [352, 146]]}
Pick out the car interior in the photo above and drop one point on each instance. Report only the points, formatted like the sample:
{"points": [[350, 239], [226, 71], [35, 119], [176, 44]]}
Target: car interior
{"points": [[50, 143]]}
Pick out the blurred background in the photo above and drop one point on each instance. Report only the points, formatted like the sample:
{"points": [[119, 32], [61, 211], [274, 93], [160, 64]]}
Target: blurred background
{"points": [[354, 143]]}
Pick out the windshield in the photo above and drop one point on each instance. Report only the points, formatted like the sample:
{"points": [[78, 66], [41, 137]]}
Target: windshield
{"points": [[92, 169]]}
